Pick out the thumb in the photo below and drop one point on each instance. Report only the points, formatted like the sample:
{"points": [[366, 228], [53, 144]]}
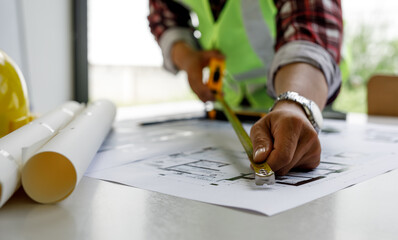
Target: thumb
{"points": [[200, 89], [262, 142]]}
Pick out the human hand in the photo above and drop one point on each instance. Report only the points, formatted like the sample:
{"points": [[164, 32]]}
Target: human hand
{"points": [[192, 62], [286, 139]]}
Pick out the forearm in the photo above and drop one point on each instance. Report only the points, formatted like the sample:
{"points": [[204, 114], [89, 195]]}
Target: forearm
{"points": [[169, 23], [304, 79], [301, 28]]}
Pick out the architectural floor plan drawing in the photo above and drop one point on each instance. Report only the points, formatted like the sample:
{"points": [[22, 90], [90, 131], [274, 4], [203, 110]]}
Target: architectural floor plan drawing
{"points": [[208, 166], [203, 160]]}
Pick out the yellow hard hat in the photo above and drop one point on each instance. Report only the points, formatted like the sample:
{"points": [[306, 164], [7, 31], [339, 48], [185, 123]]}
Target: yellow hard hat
{"points": [[14, 103]]}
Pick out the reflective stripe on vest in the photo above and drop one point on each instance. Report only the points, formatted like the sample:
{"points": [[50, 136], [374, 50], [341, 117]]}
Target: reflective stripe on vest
{"points": [[261, 41]]}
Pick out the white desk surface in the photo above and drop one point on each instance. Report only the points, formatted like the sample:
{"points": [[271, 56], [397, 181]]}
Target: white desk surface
{"points": [[103, 210]]}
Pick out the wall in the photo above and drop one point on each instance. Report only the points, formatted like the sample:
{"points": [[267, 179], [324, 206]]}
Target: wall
{"points": [[43, 40], [125, 62], [11, 33]]}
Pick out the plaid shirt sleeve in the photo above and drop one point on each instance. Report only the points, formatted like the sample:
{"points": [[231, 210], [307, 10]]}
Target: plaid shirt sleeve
{"points": [[309, 31], [170, 22], [165, 14], [319, 22]]}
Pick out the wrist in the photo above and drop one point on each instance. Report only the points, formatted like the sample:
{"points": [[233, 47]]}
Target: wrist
{"points": [[285, 105], [292, 100]]}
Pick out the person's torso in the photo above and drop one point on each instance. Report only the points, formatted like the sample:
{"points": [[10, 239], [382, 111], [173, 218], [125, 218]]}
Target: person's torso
{"points": [[244, 32]]}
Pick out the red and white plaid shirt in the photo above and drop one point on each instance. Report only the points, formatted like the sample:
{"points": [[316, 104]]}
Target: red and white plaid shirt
{"points": [[308, 31], [317, 21]]}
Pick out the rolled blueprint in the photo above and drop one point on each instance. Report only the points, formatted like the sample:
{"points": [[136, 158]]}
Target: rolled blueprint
{"points": [[32, 135], [54, 171]]}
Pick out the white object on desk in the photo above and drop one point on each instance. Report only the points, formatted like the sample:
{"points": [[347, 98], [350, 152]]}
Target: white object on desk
{"points": [[364, 211], [35, 134], [54, 171], [203, 160]]}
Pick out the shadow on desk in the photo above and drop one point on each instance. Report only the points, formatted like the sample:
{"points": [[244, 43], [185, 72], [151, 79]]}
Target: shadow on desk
{"points": [[39, 221]]}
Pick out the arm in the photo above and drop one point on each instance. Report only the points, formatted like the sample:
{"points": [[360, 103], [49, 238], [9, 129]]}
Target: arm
{"points": [[192, 62], [285, 137], [304, 79], [170, 24], [309, 32]]}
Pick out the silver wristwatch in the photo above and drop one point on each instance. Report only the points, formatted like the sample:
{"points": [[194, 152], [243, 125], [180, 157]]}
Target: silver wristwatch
{"points": [[312, 110]]}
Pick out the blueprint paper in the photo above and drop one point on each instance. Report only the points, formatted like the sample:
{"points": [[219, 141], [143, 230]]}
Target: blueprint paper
{"points": [[203, 160]]}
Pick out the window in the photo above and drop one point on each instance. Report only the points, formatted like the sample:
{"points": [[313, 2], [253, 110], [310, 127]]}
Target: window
{"points": [[370, 47], [125, 62]]}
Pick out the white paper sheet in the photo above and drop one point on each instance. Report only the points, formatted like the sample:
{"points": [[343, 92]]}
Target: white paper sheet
{"points": [[204, 161], [31, 137], [56, 168]]}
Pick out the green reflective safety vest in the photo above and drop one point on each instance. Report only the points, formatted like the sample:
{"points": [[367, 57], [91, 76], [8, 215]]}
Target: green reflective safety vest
{"points": [[245, 33]]}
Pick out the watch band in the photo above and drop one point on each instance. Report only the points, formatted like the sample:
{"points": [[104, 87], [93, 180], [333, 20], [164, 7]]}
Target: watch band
{"points": [[310, 108]]}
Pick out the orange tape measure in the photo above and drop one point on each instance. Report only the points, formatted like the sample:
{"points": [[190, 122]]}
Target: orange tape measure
{"points": [[262, 172]]}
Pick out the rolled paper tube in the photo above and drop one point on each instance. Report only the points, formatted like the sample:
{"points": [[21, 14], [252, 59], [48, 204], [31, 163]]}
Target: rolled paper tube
{"points": [[54, 171], [36, 133]]}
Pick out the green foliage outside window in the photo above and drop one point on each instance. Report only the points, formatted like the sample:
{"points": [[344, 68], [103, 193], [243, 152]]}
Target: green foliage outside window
{"points": [[370, 51]]}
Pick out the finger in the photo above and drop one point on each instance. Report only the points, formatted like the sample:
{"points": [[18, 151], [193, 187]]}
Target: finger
{"points": [[309, 161], [204, 93], [307, 154], [299, 156], [262, 141], [311, 156], [286, 138], [200, 89]]}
